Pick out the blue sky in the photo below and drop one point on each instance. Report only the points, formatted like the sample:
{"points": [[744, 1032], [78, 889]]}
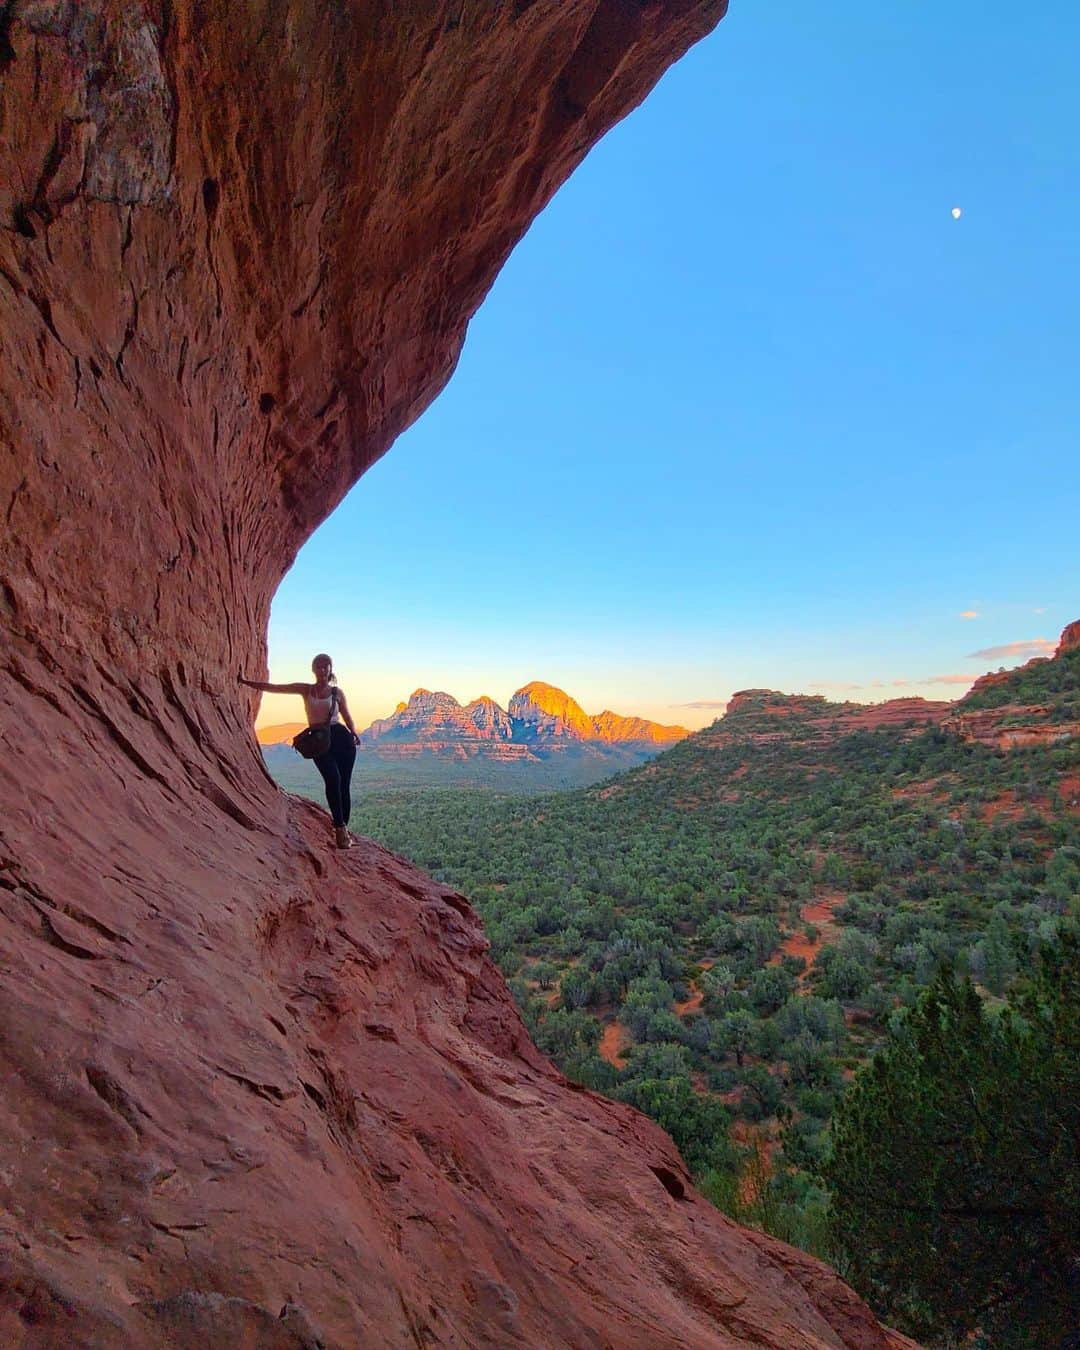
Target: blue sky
{"points": [[747, 406]]}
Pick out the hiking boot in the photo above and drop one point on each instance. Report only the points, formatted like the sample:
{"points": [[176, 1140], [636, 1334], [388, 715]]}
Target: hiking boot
{"points": [[341, 837]]}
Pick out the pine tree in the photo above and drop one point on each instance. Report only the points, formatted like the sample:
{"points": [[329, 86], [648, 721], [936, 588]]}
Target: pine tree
{"points": [[954, 1170]]}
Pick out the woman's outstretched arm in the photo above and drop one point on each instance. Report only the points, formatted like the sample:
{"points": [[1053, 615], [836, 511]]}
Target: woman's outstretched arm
{"points": [[266, 688]]}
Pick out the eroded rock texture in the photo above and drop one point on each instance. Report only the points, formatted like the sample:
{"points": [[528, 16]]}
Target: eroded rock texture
{"points": [[256, 1094]]}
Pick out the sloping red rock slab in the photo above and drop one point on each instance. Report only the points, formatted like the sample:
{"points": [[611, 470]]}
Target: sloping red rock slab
{"points": [[261, 1076]]}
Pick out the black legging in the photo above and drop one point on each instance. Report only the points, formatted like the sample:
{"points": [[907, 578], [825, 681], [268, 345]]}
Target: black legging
{"points": [[336, 768]]}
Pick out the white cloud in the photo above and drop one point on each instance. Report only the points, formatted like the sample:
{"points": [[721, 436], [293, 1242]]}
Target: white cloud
{"points": [[1026, 647]]}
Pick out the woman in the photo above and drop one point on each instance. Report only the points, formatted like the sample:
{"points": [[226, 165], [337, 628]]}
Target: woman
{"points": [[324, 702]]}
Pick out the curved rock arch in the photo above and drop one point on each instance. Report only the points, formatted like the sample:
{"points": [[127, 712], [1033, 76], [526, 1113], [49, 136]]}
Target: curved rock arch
{"points": [[255, 1093]]}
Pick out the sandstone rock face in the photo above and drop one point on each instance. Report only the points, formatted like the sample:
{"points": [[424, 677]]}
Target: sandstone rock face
{"points": [[1070, 638], [998, 711], [1011, 726], [545, 714], [257, 1093], [617, 730], [549, 713], [542, 720], [490, 721], [437, 724], [428, 716], [762, 714]]}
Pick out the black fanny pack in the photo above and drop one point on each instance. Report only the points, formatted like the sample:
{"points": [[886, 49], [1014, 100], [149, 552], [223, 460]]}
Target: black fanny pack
{"points": [[315, 741]]}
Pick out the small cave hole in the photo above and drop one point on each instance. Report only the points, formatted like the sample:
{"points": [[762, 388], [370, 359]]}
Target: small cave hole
{"points": [[25, 226], [211, 195], [31, 1313], [7, 50], [266, 403], [315, 1095], [670, 1182]]}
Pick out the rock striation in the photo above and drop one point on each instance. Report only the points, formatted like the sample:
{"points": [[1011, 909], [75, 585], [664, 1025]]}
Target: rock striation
{"points": [[490, 721], [1070, 638], [993, 712], [257, 1093], [1037, 703], [549, 714], [437, 724], [764, 715], [541, 721], [545, 714]]}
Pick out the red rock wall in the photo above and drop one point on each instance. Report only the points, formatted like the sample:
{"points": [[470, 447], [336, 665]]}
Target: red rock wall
{"points": [[1070, 638], [257, 1094]]}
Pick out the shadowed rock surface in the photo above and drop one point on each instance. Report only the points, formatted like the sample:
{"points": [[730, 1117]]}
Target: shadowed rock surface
{"points": [[257, 1094]]}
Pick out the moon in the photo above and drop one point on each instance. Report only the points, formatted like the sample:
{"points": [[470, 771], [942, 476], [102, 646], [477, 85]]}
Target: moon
{"points": [[956, 213]]}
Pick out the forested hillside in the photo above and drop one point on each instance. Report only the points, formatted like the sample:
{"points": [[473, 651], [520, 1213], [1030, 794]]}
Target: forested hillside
{"points": [[724, 935], [747, 917]]}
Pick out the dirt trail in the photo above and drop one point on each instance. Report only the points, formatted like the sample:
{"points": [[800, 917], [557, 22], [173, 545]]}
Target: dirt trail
{"points": [[819, 912], [760, 1161], [616, 1040], [614, 1044], [693, 1003]]}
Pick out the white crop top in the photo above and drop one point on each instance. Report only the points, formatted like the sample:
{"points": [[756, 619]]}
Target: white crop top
{"points": [[318, 709]]}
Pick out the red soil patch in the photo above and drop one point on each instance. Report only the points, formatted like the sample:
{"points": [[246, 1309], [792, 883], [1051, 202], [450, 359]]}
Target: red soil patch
{"points": [[798, 944], [932, 788], [1069, 790], [760, 1163], [691, 1004], [819, 912], [614, 1044], [1005, 806]]}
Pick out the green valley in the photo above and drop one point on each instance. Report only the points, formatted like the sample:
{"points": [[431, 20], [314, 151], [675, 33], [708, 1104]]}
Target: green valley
{"points": [[724, 935]]}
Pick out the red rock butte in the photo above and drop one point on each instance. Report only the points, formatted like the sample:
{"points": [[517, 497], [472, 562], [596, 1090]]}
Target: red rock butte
{"points": [[255, 1093]]}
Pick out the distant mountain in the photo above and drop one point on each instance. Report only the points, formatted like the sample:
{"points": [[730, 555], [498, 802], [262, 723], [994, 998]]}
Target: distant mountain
{"points": [[436, 723], [281, 734], [545, 742], [541, 721]]}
